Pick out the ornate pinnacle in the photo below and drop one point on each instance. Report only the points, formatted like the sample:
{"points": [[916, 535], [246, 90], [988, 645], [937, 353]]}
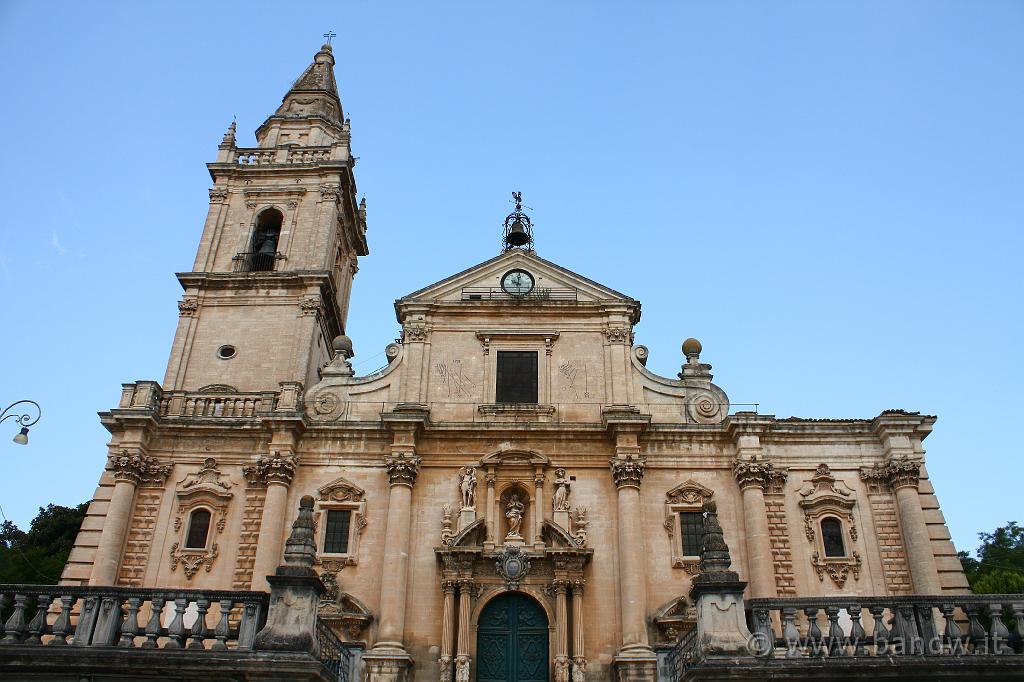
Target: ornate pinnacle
{"points": [[714, 552], [299, 550]]}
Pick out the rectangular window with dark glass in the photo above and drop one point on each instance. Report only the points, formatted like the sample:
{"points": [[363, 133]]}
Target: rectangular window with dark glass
{"points": [[336, 532], [692, 526], [516, 377]]}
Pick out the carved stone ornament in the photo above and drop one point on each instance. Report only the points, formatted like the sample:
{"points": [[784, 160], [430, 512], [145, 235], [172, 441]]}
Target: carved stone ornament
{"points": [[823, 496], [415, 332], [627, 471], [341, 611], [579, 526], [341, 490], [675, 619], [329, 192], [188, 306], [897, 472], [715, 558], [753, 473], [689, 493], [837, 568], [688, 496], [467, 487], [512, 566], [402, 468], [341, 494], [276, 468], [560, 500], [206, 490], [309, 305], [140, 469], [447, 525], [218, 196], [619, 334]]}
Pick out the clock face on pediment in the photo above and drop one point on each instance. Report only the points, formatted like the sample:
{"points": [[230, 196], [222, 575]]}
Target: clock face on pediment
{"points": [[517, 282]]}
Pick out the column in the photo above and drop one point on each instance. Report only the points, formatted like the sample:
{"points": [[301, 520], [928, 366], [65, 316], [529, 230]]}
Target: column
{"points": [[466, 588], [447, 630], [276, 473], [753, 478], [538, 507], [579, 657], [492, 509], [560, 587], [402, 469], [130, 470], [628, 473], [904, 476]]}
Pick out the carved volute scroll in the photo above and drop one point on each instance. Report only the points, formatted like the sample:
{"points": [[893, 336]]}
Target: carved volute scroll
{"points": [[826, 499], [206, 491], [688, 496]]}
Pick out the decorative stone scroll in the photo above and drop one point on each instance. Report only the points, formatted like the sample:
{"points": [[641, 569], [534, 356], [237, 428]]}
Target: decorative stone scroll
{"points": [[202, 491], [627, 471], [402, 468], [140, 469], [825, 497]]}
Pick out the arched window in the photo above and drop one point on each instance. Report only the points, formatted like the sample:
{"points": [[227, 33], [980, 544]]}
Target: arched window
{"points": [[198, 529], [832, 537], [264, 240]]}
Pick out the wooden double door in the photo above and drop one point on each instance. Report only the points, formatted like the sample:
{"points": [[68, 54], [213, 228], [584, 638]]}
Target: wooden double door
{"points": [[512, 640]]}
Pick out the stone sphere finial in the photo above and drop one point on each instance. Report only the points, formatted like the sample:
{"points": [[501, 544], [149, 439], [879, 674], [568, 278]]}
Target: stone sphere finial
{"points": [[306, 502], [692, 347], [342, 345]]}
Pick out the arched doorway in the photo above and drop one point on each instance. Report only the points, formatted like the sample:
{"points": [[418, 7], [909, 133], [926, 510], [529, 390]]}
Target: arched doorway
{"points": [[512, 640]]}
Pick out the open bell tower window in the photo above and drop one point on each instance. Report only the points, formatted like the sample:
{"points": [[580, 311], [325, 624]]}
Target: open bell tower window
{"points": [[265, 238]]}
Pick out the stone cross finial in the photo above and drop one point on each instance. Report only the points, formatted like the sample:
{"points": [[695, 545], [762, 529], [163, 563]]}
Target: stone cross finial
{"points": [[300, 549]]}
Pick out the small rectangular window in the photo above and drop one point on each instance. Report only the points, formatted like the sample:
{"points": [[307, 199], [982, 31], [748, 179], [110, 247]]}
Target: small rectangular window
{"points": [[516, 377], [337, 531], [692, 526]]}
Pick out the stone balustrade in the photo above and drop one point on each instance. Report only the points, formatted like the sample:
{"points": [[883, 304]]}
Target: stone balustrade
{"points": [[258, 156], [192, 405], [133, 618], [914, 625]]}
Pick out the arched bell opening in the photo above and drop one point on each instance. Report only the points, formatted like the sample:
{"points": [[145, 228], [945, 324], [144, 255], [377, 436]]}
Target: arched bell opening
{"points": [[265, 238]]}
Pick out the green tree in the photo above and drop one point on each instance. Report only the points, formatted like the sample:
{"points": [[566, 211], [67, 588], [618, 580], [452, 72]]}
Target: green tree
{"points": [[999, 566], [38, 556]]}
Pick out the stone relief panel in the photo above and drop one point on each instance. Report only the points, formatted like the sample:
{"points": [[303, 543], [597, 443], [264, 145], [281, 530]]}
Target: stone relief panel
{"points": [[830, 525]]}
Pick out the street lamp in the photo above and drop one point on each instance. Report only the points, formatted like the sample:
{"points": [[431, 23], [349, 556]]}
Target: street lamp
{"points": [[24, 419]]}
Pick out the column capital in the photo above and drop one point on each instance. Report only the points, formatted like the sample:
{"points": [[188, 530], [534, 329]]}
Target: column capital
{"points": [[449, 585], [753, 474], [276, 468], [577, 587], [403, 468], [138, 468], [558, 586], [627, 471], [899, 473], [491, 478]]}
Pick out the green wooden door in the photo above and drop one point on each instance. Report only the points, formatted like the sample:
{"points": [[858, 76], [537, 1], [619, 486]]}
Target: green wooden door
{"points": [[512, 641]]}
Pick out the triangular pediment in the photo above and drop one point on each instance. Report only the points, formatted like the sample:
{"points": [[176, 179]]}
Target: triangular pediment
{"points": [[484, 280]]}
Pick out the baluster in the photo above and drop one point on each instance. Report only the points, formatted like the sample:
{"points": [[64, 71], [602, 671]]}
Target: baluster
{"points": [[62, 626], [879, 635], [199, 629], [999, 636], [153, 627], [37, 628], [790, 633], [15, 626], [814, 637], [976, 634], [223, 627], [763, 629], [176, 630], [1018, 630], [130, 627], [249, 625], [856, 630], [836, 646], [952, 633]]}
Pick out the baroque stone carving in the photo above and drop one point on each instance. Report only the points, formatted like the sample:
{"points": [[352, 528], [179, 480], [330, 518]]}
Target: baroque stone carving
{"points": [[512, 566], [897, 472], [342, 610], [579, 526], [837, 569], [218, 196], [309, 305], [562, 669], [759, 474], [514, 514], [205, 491], [579, 669], [341, 490], [402, 468], [188, 306], [447, 532], [415, 332], [619, 334], [627, 471], [467, 486], [140, 469], [688, 496], [826, 497], [560, 500], [329, 192], [275, 468]]}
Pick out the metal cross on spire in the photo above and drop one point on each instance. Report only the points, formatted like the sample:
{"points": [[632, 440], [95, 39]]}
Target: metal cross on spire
{"points": [[329, 35]]}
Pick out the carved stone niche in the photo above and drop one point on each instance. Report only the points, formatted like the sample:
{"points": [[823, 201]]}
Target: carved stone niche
{"points": [[688, 496], [673, 620], [203, 499], [340, 495], [831, 526]]}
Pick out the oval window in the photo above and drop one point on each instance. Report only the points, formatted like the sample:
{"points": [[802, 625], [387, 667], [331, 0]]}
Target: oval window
{"points": [[226, 352]]}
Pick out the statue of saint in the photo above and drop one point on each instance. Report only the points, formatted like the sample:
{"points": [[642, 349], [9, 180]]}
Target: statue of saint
{"points": [[560, 502], [514, 514], [467, 484]]}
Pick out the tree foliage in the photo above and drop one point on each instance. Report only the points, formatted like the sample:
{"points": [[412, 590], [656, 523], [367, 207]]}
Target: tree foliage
{"points": [[999, 566], [38, 556]]}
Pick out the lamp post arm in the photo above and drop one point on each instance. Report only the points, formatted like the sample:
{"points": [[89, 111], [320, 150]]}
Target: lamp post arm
{"points": [[24, 419]]}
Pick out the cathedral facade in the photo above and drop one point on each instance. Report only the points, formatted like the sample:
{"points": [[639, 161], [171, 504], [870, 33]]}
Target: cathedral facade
{"points": [[515, 496]]}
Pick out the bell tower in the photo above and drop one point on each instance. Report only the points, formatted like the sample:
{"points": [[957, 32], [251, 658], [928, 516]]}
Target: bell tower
{"points": [[273, 273]]}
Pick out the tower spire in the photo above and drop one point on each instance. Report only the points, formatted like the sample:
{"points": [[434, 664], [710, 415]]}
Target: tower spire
{"points": [[312, 100]]}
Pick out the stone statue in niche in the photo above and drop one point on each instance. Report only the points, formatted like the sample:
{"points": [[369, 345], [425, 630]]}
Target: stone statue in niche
{"points": [[560, 502], [467, 485], [514, 514]]}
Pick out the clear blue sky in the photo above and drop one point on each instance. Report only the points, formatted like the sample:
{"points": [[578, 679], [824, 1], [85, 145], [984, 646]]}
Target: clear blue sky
{"points": [[827, 194]]}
